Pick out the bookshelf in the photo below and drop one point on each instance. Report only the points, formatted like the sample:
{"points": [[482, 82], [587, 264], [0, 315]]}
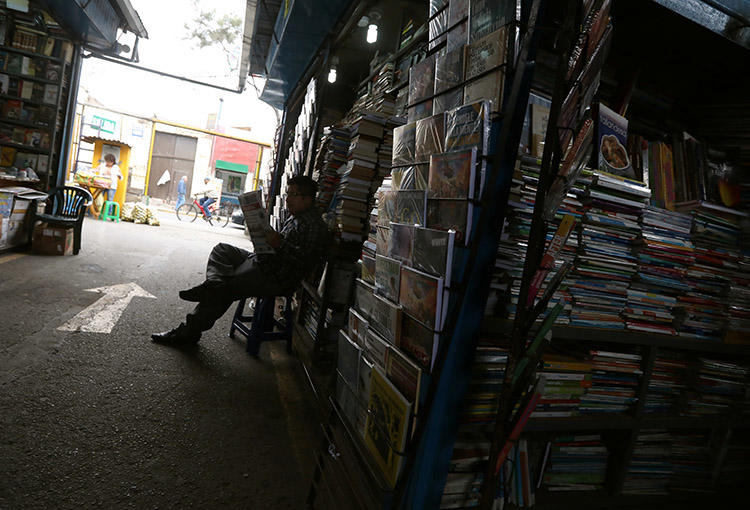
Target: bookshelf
{"points": [[469, 332], [35, 68]]}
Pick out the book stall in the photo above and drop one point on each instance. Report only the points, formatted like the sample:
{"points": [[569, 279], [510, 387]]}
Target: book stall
{"points": [[537, 292]]}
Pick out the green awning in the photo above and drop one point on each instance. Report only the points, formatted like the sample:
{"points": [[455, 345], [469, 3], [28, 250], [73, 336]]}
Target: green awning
{"points": [[233, 167]]}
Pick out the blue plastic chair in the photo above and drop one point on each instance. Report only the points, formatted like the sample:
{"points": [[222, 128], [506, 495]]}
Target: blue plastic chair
{"points": [[66, 206]]}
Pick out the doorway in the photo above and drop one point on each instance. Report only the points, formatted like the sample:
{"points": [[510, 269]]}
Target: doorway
{"points": [[174, 154]]}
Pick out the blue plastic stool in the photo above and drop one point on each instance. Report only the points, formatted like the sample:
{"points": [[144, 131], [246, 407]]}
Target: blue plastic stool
{"points": [[262, 323], [110, 211]]}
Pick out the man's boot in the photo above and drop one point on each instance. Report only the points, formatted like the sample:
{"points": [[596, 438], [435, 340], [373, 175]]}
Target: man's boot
{"points": [[180, 335]]}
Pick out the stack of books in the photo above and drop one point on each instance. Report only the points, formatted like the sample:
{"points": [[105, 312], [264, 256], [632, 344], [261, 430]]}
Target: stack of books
{"points": [[576, 463], [650, 467], [668, 380], [482, 397], [664, 252], [567, 380], [719, 387], [614, 382], [361, 177], [691, 462], [605, 264], [330, 163], [716, 240], [511, 251]]}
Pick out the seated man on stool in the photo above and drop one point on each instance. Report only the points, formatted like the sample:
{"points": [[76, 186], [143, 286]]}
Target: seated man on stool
{"points": [[233, 273]]}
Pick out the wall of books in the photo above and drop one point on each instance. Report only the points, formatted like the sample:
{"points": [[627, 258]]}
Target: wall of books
{"points": [[35, 68], [642, 387]]}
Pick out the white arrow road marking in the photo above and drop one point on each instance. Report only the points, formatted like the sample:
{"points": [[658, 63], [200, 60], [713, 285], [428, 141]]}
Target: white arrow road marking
{"points": [[102, 315]]}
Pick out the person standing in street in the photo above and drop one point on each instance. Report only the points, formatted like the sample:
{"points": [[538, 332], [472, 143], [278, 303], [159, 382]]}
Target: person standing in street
{"points": [[111, 170], [181, 191]]}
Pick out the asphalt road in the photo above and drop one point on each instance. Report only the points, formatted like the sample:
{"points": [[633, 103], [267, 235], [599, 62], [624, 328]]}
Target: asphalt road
{"points": [[111, 420]]}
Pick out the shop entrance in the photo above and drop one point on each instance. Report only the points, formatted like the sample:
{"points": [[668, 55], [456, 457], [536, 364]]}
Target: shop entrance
{"points": [[174, 154]]}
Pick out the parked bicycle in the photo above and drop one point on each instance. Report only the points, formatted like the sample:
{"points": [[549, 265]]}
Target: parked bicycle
{"points": [[219, 215]]}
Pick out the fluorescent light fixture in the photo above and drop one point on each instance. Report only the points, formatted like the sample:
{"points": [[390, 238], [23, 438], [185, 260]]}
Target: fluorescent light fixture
{"points": [[372, 33], [332, 75]]}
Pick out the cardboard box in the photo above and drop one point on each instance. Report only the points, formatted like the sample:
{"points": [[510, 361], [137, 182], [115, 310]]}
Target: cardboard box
{"points": [[52, 240], [14, 211]]}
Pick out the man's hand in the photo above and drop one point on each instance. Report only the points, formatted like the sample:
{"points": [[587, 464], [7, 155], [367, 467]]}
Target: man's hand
{"points": [[273, 238]]}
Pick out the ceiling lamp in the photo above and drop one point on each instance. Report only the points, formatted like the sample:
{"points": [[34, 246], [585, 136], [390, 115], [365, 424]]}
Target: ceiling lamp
{"points": [[372, 33]]}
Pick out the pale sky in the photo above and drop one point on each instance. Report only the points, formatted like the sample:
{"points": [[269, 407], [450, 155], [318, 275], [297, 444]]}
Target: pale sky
{"points": [[147, 94]]}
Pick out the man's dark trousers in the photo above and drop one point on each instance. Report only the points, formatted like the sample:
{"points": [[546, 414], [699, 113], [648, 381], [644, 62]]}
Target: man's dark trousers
{"points": [[233, 274]]}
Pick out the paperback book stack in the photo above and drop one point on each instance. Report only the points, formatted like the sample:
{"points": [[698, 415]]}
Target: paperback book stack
{"points": [[691, 462], [614, 382], [330, 163], [668, 380], [514, 239], [376, 97], [650, 466], [361, 177], [576, 463], [482, 396], [719, 388], [664, 252], [605, 263], [716, 240], [568, 379]]}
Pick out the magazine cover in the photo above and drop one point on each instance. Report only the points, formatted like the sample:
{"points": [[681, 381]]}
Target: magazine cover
{"points": [[401, 243], [446, 214], [430, 137], [452, 174], [363, 393], [346, 398], [448, 100], [457, 10], [409, 177], [368, 269], [256, 221], [486, 16], [421, 296], [410, 207], [458, 36], [375, 348], [348, 359], [404, 139], [488, 87], [405, 375], [382, 240], [419, 111], [357, 326], [422, 80], [386, 207], [363, 298], [386, 319], [486, 53], [418, 342], [387, 277], [449, 70], [611, 139], [387, 425], [467, 127], [433, 252]]}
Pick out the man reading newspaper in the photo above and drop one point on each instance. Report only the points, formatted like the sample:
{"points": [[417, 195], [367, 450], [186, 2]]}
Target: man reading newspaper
{"points": [[233, 273]]}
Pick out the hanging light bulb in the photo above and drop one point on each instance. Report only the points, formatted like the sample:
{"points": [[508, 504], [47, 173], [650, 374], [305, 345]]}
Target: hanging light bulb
{"points": [[372, 33], [332, 75]]}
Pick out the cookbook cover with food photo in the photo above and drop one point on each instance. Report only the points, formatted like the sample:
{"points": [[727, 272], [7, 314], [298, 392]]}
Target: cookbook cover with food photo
{"points": [[611, 137]]}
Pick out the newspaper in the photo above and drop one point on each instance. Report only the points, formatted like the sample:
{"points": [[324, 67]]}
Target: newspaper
{"points": [[256, 220]]}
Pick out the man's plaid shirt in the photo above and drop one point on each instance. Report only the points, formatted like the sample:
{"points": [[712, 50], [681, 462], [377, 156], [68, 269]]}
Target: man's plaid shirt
{"points": [[303, 245]]}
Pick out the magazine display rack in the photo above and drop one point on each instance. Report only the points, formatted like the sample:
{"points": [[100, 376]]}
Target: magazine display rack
{"points": [[419, 413], [35, 60]]}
